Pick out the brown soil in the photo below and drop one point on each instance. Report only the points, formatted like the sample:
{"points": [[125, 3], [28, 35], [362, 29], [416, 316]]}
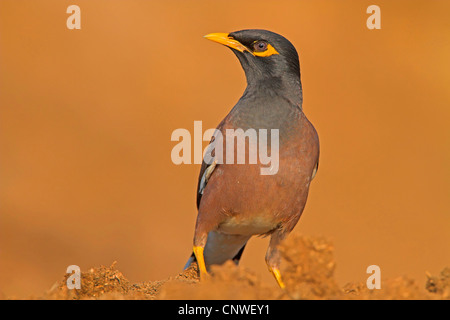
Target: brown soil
{"points": [[308, 269]]}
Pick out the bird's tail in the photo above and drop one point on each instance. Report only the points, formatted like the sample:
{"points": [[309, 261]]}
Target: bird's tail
{"points": [[190, 261]]}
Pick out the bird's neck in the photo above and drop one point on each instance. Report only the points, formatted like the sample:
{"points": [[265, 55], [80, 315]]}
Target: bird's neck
{"points": [[287, 88], [268, 105]]}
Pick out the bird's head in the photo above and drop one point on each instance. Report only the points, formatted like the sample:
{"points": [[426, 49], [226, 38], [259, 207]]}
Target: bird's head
{"points": [[264, 55]]}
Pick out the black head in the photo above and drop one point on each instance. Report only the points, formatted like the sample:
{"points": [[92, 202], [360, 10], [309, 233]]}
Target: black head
{"points": [[267, 58]]}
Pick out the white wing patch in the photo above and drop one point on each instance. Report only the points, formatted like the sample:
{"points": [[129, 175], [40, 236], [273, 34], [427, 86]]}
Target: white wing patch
{"points": [[206, 175], [314, 171]]}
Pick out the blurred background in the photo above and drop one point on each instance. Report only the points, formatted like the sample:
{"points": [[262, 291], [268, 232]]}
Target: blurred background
{"points": [[86, 117]]}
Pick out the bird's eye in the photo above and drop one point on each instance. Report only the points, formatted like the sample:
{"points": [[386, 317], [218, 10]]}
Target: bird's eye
{"points": [[260, 46]]}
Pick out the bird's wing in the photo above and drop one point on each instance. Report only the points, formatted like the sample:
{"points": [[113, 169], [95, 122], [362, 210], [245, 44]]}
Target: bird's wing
{"points": [[207, 170], [315, 170], [205, 173]]}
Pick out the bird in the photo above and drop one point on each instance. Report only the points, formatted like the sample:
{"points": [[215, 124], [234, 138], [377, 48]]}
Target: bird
{"points": [[234, 200]]}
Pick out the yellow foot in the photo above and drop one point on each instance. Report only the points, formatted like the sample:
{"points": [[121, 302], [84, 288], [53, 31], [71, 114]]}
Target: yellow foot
{"points": [[277, 275], [198, 251]]}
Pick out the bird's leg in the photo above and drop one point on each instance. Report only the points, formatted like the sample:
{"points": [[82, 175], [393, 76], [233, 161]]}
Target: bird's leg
{"points": [[199, 246], [198, 251], [273, 256]]}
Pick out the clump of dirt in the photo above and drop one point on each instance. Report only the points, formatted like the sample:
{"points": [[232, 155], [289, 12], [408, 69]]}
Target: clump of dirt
{"points": [[400, 288], [226, 282], [439, 285], [308, 267], [110, 283]]}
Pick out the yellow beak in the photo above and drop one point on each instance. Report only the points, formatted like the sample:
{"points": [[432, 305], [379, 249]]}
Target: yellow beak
{"points": [[225, 39]]}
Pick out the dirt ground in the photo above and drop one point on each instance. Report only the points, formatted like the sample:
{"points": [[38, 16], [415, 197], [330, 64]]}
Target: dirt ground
{"points": [[308, 269]]}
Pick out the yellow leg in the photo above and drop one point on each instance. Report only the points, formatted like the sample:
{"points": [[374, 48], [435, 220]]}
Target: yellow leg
{"points": [[198, 251], [277, 275]]}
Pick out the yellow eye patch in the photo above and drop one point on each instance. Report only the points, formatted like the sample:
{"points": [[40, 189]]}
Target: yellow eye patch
{"points": [[266, 53]]}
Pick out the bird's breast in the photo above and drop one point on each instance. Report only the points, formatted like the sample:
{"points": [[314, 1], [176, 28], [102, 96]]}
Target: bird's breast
{"points": [[248, 224]]}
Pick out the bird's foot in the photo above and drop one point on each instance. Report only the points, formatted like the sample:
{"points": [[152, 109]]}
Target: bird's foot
{"points": [[198, 251], [277, 275]]}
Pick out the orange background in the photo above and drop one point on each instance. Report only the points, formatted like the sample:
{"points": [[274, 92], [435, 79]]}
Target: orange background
{"points": [[86, 117]]}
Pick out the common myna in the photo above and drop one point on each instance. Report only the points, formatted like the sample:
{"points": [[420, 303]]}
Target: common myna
{"points": [[235, 201]]}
